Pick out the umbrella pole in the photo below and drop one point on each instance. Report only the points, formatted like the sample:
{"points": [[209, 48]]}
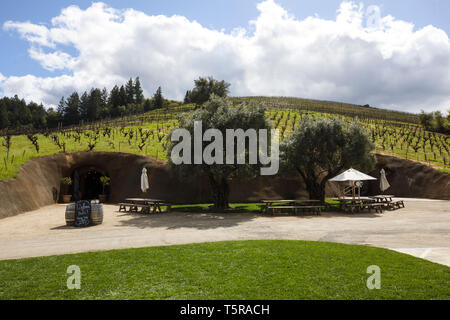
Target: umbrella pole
{"points": [[353, 189]]}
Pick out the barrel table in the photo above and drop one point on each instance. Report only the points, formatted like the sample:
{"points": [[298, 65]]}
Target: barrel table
{"points": [[96, 214]]}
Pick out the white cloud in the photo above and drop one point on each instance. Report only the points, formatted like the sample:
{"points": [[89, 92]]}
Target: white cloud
{"points": [[34, 33], [56, 60], [391, 65]]}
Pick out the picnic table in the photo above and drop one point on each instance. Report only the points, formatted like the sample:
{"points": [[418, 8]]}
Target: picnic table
{"points": [[377, 203], [146, 205], [301, 204], [353, 205], [383, 198], [348, 200], [388, 202]]}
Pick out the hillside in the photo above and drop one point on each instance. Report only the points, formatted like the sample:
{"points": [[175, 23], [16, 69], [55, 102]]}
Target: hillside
{"points": [[332, 107], [392, 132]]}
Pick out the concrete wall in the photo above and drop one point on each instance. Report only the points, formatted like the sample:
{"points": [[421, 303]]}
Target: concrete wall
{"points": [[38, 182]]}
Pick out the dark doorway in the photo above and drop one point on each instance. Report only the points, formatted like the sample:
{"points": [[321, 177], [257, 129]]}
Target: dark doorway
{"points": [[87, 184]]}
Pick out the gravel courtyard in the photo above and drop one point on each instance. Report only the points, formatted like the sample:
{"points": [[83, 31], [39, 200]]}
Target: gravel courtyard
{"points": [[421, 229]]}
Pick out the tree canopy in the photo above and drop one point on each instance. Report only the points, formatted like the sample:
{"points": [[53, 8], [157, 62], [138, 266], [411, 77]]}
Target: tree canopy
{"points": [[158, 99], [218, 113], [319, 149], [95, 104], [435, 121], [204, 88]]}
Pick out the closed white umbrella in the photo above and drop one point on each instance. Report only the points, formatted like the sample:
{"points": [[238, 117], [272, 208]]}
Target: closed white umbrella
{"points": [[144, 180], [352, 175], [384, 183]]}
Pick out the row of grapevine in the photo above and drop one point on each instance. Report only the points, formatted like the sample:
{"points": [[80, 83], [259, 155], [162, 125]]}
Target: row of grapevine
{"points": [[407, 140]]}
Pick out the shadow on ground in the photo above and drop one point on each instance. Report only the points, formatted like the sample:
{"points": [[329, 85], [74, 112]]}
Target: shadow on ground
{"points": [[64, 227], [209, 220], [177, 220], [333, 214]]}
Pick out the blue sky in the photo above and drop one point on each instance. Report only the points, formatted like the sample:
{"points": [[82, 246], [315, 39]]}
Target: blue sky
{"points": [[215, 14], [224, 15]]}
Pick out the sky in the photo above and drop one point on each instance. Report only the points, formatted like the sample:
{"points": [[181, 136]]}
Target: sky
{"points": [[389, 54]]}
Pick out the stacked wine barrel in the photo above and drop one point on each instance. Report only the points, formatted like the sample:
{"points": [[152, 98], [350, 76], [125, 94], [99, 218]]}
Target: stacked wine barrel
{"points": [[96, 214]]}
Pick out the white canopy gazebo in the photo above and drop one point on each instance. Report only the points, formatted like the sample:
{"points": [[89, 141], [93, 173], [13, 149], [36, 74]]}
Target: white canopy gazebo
{"points": [[352, 175]]}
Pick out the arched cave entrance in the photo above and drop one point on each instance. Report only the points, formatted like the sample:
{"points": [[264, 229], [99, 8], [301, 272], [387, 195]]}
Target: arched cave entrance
{"points": [[86, 183]]}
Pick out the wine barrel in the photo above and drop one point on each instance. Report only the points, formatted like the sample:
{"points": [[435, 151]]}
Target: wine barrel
{"points": [[96, 214], [70, 215]]}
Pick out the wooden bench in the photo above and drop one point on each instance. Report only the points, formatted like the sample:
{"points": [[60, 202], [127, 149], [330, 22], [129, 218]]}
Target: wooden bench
{"points": [[168, 206], [378, 207], [352, 208], [315, 209], [396, 205], [123, 206], [134, 207], [157, 207], [400, 204]]}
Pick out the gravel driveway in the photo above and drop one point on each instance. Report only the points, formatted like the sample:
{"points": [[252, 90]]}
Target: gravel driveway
{"points": [[421, 229]]}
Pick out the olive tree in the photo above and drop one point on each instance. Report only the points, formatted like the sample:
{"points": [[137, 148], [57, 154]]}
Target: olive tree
{"points": [[321, 148], [218, 113]]}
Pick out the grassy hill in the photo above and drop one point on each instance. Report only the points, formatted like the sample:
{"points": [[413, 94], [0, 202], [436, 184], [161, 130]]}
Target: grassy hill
{"points": [[332, 107], [392, 132]]}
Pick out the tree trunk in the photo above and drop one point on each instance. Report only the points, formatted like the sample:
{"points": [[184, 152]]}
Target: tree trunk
{"points": [[220, 192], [316, 190]]}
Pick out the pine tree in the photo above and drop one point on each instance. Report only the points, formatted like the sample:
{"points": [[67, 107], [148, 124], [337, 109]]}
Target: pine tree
{"points": [[4, 121], [187, 98], [123, 96], [84, 106], [95, 104], [38, 115], [114, 101], [129, 92], [138, 93], [158, 99], [104, 97], [72, 114], [61, 107], [24, 113]]}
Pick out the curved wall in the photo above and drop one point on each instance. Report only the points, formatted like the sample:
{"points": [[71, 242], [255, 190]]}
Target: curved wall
{"points": [[38, 182], [410, 179]]}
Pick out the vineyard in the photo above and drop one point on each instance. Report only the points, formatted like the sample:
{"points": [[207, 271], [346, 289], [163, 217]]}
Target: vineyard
{"points": [[143, 134], [392, 133], [397, 138], [339, 108]]}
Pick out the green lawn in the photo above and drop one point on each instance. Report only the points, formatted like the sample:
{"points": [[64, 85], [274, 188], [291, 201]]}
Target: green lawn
{"points": [[228, 270]]}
